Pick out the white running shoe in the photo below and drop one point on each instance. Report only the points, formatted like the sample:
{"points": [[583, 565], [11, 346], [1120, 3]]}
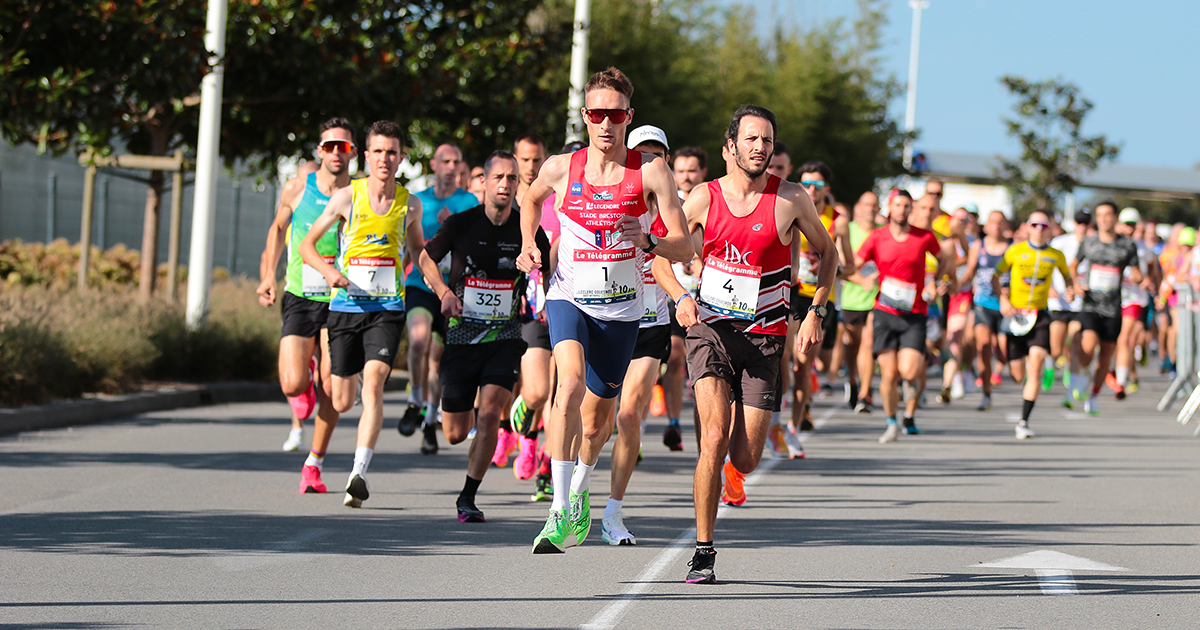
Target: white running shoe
{"points": [[1090, 407], [792, 440], [613, 531], [294, 441], [1024, 432], [891, 434], [957, 389], [357, 491]]}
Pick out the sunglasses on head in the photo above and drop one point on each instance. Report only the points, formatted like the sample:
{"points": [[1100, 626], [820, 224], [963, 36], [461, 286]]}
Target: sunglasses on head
{"points": [[337, 146], [812, 183], [597, 116]]}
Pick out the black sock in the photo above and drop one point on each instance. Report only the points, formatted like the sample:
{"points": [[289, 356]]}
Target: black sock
{"points": [[909, 420], [505, 424], [705, 547], [1026, 409], [468, 491]]}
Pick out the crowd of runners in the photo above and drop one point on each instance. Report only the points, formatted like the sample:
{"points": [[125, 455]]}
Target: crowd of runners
{"points": [[551, 301]]}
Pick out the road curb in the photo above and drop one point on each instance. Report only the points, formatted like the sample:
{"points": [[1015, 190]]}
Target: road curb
{"points": [[69, 413]]}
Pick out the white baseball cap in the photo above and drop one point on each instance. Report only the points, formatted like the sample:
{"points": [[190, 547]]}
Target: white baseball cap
{"points": [[647, 133], [1129, 215]]}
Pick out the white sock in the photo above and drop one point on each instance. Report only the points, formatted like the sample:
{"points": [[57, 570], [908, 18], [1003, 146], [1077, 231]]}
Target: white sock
{"points": [[1049, 362], [314, 461], [613, 507], [299, 433], [431, 414], [362, 459], [1122, 375], [418, 395], [560, 478], [582, 477], [777, 417]]}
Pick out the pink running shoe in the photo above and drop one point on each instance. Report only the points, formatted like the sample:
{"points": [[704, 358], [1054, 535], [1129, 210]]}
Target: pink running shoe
{"points": [[506, 443], [526, 463], [304, 404], [310, 481]]}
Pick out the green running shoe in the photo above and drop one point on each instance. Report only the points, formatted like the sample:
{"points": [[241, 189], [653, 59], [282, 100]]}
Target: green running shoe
{"points": [[1047, 379], [519, 417], [554, 533], [544, 490], [1066, 379], [580, 519]]}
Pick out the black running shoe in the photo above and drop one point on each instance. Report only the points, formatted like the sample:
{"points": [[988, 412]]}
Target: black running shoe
{"points": [[851, 395], [806, 423], [910, 426], [429, 444], [673, 438], [356, 492], [412, 418], [468, 513], [702, 568]]}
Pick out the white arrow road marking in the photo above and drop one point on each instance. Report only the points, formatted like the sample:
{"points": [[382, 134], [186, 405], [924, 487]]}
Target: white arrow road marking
{"points": [[1012, 417], [1053, 569], [274, 553]]}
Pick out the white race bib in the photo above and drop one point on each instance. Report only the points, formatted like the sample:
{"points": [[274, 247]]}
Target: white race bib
{"points": [[806, 269], [649, 299], [730, 289], [444, 266], [312, 283], [606, 277], [487, 302], [371, 277], [1104, 279], [898, 294]]}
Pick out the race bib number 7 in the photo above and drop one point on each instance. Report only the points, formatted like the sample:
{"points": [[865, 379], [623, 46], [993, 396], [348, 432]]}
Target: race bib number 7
{"points": [[371, 277], [606, 277], [730, 289]]}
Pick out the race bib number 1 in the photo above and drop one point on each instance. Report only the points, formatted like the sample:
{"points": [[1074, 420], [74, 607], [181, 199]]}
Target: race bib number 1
{"points": [[487, 302], [898, 294], [371, 277], [730, 289], [606, 277], [312, 283]]}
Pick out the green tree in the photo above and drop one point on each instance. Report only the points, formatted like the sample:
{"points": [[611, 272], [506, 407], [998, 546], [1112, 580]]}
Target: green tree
{"points": [[1054, 151]]}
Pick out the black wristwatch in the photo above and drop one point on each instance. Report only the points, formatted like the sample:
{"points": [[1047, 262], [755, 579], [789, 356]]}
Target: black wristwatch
{"points": [[653, 243], [820, 309]]}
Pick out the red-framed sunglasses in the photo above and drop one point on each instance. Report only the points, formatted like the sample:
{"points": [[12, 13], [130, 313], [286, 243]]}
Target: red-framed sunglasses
{"points": [[337, 146], [597, 116]]}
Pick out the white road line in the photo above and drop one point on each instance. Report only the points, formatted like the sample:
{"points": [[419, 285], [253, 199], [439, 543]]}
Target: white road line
{"points": [[608, 617]]}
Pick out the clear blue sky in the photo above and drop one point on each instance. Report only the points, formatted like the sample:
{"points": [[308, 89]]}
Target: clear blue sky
{"points": [[1139, 63]]}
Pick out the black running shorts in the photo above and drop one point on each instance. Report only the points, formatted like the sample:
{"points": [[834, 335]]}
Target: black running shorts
{"points": [[536, 334], [1107, 328], [415, 298], [301, 316], [892, 332], [654, 342], [1018, 347], [355, 338], [749, 362], [467, 367]]}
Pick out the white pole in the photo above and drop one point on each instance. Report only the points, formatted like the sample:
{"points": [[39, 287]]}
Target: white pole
{"points": [[207, 154], [579, 55], [914, 54]]}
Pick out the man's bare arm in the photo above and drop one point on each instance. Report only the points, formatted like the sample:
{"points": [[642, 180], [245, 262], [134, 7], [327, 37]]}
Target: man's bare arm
{"points": [[338, 209], [554, 171], [293, 191]]}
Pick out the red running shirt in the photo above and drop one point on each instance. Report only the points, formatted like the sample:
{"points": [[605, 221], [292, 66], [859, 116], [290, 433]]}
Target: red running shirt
{"points": [[745, 242], [901, 268]]}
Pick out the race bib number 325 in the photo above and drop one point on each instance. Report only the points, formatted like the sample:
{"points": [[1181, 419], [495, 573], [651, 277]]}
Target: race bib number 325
{"points": [[487, 302], [606, 277], [730, 289], [371, 277]]}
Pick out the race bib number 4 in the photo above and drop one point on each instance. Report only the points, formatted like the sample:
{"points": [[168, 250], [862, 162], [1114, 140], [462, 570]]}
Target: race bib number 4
{"points": [[1104, 279], [371, 277], [606, 277], [730, 289], [312, 283], [487, 302], [898, 294]]}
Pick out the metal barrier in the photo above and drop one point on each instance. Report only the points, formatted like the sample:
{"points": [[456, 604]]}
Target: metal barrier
{"points": [[1187, 347]]}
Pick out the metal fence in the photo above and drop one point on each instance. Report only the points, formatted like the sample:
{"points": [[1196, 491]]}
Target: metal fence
{"points": [[41, 199], [1187, 357]]}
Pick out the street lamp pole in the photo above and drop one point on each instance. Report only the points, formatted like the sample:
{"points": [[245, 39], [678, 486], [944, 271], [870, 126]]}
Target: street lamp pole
{"points": [[914, 54], [579, 59]]}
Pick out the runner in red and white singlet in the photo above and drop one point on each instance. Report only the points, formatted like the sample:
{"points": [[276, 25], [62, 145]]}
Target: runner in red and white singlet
{"points": [[608, 196], [737, 326], [899, 251]]}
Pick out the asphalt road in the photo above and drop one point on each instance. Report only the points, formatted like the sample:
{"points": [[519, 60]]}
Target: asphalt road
{"points": [[191, 519]]}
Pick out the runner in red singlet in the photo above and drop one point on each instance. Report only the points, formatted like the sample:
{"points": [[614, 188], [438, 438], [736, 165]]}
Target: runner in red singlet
{"points": [[608, 198], [737, 327]]}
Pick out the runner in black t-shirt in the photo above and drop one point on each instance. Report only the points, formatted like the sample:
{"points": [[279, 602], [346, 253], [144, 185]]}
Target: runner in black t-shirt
{"points": [[1107, 254], [481, 303]]}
